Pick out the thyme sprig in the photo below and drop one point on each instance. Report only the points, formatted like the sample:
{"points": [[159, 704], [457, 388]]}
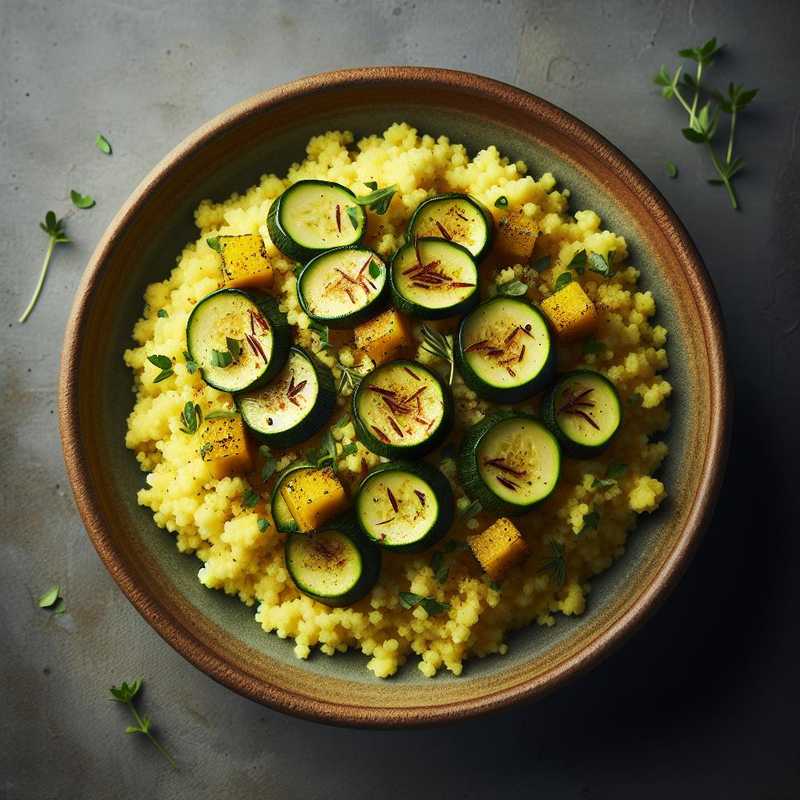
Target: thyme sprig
{"points": [[56, 231], [703, 117], [125, 694], [556, 565], [377, 200], [439, 345]]}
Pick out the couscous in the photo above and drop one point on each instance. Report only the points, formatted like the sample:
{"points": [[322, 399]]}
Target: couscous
{"points": [[508, 400]]}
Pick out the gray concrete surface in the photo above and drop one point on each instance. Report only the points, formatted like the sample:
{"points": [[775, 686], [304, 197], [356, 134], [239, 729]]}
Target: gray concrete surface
{"points": [[700, 704]]}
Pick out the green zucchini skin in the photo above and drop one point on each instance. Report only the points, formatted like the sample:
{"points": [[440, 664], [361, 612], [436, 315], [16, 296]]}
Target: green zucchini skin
{"points": [[418, 310], [469, 473], [441, 489], [374, 307], [370, 564], [437, 437], [284, 522], [281, 335], [286, 244], [550, 417], [509, 395], [315, 418], [488, 219]]}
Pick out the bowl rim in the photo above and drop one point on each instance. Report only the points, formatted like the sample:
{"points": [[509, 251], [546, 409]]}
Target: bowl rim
{"points": [[181, 638]]}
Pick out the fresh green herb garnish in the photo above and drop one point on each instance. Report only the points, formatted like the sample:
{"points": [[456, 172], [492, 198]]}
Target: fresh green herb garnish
{"points": [[439, 345], [125, 694], [323, 333], [164, 363], [205, 450], [672, 170], [191, 364], [214, 243], [350, 449], [374, 269], [221, 358], [601, 264], [263, 524], [81, 200], [54, 228], [350, 378], [191, 417], [250, 497], [371, 185], [268, 470], [342, 421], [562, 280], [703, 123], [327, 450], [162, 312], [221, 414], [556, 565], [513, 289], [431, 606], [103, 145], [234, 348], [377, 200], [590, 521], [471, 510], [593, 346], [616, 471], [501, 201], [440, 569], [578, 262], [353, 216], [541, 264], [50, 597]]}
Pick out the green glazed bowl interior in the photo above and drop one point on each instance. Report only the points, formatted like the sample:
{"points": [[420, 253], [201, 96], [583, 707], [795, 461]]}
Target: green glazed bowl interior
{"points": [[265, 134]]}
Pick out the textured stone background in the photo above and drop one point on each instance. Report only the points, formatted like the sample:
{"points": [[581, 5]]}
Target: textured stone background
{"points": [[701, 703]]}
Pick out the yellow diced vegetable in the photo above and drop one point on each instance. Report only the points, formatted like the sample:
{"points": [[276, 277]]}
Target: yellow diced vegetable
{"points": [[516, 236], [384, 337], [313, 497], [224, 446], [244, 262], [498, 548], [571, 311]]}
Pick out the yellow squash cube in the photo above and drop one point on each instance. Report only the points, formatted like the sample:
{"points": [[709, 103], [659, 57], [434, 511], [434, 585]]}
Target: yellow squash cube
{"points": [[224, 446], [571, 312], [384, 337], [516, 236], [244, 262], [498, 548], [313, 497]]}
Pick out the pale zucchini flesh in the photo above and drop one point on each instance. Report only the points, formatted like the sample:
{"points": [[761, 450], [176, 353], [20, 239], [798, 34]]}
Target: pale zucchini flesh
{"points": [[504, 350], [434, 279], [402, 409], [454, 217], [342, 287]]}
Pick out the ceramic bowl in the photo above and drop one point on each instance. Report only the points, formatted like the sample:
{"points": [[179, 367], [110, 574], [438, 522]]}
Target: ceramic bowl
{"points": [[265, 134]]}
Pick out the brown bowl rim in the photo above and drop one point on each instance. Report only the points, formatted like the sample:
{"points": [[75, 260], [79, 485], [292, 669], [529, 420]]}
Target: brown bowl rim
{"points": [[173, 631]]}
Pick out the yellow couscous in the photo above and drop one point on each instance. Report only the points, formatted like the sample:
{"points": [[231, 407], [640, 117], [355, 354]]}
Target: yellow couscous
{"points": [[223, 517]]}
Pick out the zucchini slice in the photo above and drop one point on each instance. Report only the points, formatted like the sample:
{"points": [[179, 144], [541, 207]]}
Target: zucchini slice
{"points": [[405, 506], [457, 218], [584, 412], [313, 216], [402, 410], [433, 279], [281, 516], [335, 565], [294, 405], [504, 350], [238, 339], [342, 287], [509, 462]]}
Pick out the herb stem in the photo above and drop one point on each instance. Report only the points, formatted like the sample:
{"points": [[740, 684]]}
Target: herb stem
{"points": [[693, 110], [679, 97], [729, 154], [723, 176], [42, 275], [144, 727]]}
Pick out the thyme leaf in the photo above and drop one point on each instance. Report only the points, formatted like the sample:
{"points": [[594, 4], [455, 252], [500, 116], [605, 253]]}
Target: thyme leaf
{"points": [[513, 289], [377, 200], [81, 200], [102, 144], [556, 565]]}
